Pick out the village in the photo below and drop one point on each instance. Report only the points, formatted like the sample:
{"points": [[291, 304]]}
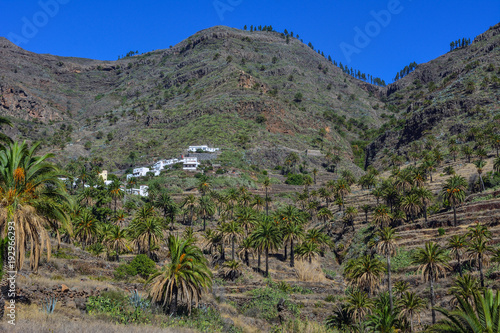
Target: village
{"points": [[188, 164]]}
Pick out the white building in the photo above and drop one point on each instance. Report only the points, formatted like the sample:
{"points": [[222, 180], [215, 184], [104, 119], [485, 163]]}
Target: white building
{"points": [[142, 191], [190, 163], [204, 148], [138, 172], [160, 165]]}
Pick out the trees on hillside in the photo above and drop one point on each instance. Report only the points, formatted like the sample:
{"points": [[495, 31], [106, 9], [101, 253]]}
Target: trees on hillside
{"points": [[454, 192], [186, 274], [433, 262], [30, 196]]}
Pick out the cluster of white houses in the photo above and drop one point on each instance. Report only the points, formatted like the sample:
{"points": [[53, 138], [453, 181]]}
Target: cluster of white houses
{"points": [[188, 164]]}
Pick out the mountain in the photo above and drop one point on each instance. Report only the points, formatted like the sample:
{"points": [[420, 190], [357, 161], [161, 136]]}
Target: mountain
{"points": [[257, 95], [453, 97]]}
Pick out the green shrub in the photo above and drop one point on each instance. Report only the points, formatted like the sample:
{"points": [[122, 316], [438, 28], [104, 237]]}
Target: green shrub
{"points": [[296, 179], [264, 301], [441, 231], [143, 266]]}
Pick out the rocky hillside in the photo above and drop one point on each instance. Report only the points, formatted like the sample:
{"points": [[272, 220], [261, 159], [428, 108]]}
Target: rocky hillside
{"points": [[222, 86], [452, 96], [253, 93]]}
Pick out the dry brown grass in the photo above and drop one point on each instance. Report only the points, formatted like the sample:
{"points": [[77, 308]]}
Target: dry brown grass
{"points": [[309, 272], [49, 282], [300, 326], [33, 319]]}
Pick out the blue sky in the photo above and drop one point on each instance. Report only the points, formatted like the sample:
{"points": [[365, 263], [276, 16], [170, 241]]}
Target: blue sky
{"points": [[376, 37]]}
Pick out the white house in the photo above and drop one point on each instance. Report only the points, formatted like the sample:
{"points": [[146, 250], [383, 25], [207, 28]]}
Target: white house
{"points": [[190, 163], [204, 148], [160, 165], [142, 191], [138, 172]]}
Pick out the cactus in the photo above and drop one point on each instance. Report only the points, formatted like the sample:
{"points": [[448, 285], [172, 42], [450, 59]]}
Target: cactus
{"points": [[49, 305], [136, 300]]}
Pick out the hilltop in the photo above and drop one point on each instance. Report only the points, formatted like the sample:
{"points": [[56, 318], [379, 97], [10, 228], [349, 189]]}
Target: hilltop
{"points": [[226, 87]]}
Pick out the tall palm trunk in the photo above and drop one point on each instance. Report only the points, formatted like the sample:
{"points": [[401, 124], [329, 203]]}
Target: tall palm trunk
{"points": [[431, 281], [149, 246], [258, 260], [267, 204], [173, 302], [411, 322], [425, 212], [455, 215], [285, 250], [459, 264], [292, 260], [267, 262], [232, 248], [481, 275], [482, 183], [389, 282]]}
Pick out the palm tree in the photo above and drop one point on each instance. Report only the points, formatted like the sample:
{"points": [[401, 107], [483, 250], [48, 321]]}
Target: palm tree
{"points": [[247, 218], [186, 273], [189, 202], [454, 191], [468, 152], [341, 319], [479, 316], [366, 209], [232, 232], [425, 195], [465, 287], [316, 236], [206, 208], [342, 188], [411, 205], [358, 303], [479, 251], [31, 195], [244, 249], [480, 164], [267, 236], [496, 164], [115, 191], [401, 287], [364, 272], [325, 214], [148, 231], [293, 231], [429, 165], [86, 228], [267, 184], [307, 250], [456, 245], [349, 215], [117, 240], [378, 193], [410, 306], [386, 245], [383, 319], [432, 261], [381, 215]]}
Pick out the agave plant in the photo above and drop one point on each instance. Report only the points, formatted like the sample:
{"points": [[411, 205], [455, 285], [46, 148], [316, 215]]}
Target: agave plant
{"points": [[49, 305]]}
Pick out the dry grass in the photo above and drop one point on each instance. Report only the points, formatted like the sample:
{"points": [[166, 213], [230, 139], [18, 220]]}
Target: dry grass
{"points": [[309, 272], [33, 319], [300, 326], [47, 282]]}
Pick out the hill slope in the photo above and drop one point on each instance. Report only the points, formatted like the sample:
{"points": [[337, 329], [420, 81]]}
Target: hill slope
{"points": [[222, 86]]}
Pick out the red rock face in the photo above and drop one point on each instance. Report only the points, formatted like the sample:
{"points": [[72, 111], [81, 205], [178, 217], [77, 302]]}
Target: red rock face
{"points": [[19, 103]]}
